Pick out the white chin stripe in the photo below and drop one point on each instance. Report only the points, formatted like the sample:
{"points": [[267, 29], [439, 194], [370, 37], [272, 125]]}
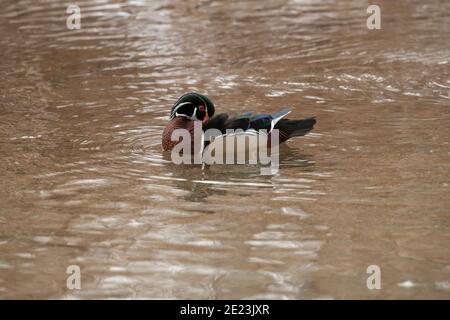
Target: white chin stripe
{"points": [[193, 117], [174, 112], [181, 115]]}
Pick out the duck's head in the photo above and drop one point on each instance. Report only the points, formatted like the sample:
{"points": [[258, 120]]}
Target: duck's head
{"points": [[194, 106]]}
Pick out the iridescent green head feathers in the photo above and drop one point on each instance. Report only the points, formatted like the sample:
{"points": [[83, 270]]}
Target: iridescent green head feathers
{"points": [[194, 106]]}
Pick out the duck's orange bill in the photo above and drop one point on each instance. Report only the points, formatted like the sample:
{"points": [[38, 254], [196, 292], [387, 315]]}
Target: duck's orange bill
{"points": [[206, 118]]}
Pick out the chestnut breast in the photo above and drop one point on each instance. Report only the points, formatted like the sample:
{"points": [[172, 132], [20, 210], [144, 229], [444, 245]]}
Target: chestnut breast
{"points": [[176, 123]]}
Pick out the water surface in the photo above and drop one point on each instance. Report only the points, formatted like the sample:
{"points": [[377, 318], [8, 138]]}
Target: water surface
{"points": [[83, 180]]}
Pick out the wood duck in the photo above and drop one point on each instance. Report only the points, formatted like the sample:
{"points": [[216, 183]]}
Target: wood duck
{"points": [[193, 106]]}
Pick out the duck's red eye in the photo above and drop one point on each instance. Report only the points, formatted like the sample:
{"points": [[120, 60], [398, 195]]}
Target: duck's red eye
{"points": [[201, 108]]}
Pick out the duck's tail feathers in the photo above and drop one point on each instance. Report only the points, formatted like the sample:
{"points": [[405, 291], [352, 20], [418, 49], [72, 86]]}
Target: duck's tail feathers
{"points": [[294, 128]]}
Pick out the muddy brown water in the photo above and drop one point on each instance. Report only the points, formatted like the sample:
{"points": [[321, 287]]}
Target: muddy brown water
{"points": [[83, 180]]}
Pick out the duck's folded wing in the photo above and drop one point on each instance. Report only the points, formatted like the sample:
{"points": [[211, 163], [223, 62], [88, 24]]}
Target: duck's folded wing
{"points": [[267, 121], [216, 122], [245, 121]]}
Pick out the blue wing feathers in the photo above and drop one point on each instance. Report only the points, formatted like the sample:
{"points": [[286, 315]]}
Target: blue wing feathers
{"points": [[247, 120]]}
